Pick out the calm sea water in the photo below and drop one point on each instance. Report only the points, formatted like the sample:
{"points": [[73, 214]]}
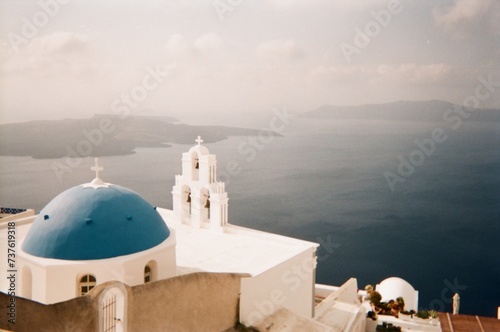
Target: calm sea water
{"points": [[323, 181]]}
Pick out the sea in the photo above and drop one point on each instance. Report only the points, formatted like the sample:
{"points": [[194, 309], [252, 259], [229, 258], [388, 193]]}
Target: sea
{"points": [[409, 199]]}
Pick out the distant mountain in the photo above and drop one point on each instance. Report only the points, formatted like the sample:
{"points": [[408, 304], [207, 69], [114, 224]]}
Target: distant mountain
{"points": [[432, 110], [104, 135], [144, 115]]}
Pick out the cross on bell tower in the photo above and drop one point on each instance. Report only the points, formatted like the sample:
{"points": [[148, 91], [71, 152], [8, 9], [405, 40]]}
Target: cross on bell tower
{"points": [[199, 140]]}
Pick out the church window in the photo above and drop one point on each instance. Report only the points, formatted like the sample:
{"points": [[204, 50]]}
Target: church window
{"points": [[148, 274], [87, 282]]}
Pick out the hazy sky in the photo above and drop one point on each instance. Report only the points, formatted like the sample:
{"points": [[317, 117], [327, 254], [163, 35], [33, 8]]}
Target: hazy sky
{"points": [[232, 60]]}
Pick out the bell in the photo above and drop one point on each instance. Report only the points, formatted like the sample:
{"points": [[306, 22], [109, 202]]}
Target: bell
{"points": [[207, 204], [197, 164], [189, 198]]}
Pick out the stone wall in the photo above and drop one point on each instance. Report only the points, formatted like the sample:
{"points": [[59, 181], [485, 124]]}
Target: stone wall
{"points": [[79, 314], [193, 302]]}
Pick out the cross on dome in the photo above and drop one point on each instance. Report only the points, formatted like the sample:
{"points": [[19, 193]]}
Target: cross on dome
{"points": [[96, 168], [199, 140], [97, 182]]}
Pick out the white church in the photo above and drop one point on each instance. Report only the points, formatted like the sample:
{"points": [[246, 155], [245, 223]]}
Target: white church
{"points": [[131, 261]]}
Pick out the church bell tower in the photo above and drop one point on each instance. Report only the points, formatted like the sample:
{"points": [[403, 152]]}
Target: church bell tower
{"points": [[198, 199]]}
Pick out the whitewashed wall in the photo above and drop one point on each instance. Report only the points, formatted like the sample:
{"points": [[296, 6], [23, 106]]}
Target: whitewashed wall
{"points": [[289, 285]]}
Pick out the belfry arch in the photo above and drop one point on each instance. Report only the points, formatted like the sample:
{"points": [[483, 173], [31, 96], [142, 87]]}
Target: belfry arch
{"points": [[195, 162], [205, 205], [186, 206]]}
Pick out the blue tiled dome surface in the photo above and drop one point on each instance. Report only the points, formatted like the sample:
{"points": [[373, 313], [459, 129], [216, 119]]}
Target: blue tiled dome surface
{"points": [[86, 223]]}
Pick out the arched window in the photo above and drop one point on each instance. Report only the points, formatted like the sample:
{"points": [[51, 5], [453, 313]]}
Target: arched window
{"points": [[150, 271], [148, 274], [87, 282]]}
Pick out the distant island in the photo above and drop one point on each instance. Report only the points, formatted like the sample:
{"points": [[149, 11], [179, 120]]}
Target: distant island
{"points": [[105, 135], [110, 134], [431, 110]]}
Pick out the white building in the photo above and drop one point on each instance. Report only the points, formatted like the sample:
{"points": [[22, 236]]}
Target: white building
{"points": [[99, 232], [89, 234]]}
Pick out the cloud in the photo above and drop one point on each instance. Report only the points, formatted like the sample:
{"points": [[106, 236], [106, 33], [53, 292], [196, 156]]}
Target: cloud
{"points": [[207, 43], [279, 49], [452, 19], [178, 45], [340, 74], [55, 53], [59, 42], [411, 72], [346, 5], [361, 4]]}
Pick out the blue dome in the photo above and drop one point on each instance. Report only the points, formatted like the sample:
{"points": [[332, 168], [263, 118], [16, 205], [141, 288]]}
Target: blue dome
{"points": [[87, 222]]}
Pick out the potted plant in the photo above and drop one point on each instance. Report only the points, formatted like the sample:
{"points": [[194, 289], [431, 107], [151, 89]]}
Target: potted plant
{"points": [[401, 303], [429, 316], [388, 327], [375, 298], [433, 317], [424, 314], [433, 314]]}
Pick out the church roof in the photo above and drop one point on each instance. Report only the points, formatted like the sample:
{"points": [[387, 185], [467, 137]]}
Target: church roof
{"points": [[95, 221], [235, 250]]}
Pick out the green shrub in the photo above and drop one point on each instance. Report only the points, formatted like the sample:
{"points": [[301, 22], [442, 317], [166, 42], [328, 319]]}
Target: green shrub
{"points": [[401, 303], [388, 327], [423, 314], [375, 298]]}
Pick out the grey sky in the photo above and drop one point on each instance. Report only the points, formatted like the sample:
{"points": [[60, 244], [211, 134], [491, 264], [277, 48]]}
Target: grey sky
{"points": [[233, 60]]}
